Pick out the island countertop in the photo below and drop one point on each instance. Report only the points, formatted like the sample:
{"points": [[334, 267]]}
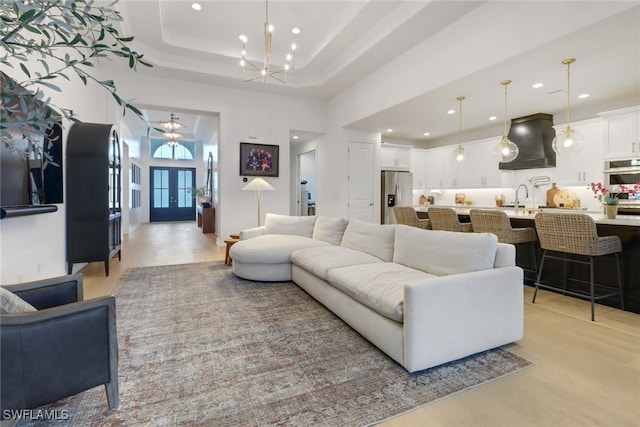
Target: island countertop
{"points": [[627, 227], [598, 217]]}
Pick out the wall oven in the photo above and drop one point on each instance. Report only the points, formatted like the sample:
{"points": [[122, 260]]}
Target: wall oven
{"points": [[624, 172]]}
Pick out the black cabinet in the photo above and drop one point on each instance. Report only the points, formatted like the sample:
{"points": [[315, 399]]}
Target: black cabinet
{"points": [[94, 194]]}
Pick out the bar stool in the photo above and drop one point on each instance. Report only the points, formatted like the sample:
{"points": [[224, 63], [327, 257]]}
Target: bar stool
{"points": [[447, 219], [408, 216], [574, 233], [498, 223]]}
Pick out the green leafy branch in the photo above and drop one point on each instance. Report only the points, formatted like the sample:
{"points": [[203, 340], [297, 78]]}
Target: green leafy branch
{"points": [[44, 40]]}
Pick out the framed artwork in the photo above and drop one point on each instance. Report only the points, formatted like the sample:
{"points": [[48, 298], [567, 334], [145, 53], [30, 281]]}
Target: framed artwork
{"points": [[259, 159]]}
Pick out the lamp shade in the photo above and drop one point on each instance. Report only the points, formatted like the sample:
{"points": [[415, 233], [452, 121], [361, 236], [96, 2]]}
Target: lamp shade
{"points": [[258, 184]]}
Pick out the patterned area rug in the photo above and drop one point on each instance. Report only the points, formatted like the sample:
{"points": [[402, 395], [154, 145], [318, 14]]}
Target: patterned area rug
{"points": [[200, 347]]}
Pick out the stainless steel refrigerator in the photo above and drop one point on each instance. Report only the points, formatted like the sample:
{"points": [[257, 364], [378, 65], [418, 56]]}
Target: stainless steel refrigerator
{"points": [[397, 190]]}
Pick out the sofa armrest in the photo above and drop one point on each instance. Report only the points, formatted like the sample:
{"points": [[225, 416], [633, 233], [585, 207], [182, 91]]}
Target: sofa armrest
{"points": [[450, 317], [50, 292], [505, 255], [251, 232]]}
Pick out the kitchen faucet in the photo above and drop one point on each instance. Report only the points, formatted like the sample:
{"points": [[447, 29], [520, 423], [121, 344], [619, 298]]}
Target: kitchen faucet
{"points": [[526, 195]]}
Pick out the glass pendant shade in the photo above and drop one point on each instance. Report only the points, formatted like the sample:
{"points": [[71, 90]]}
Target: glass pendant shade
{"points": [[506, 150], [460, 156], [567, 142]]}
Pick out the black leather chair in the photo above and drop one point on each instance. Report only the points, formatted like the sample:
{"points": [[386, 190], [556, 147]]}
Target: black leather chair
{"points": [[66, 347]]}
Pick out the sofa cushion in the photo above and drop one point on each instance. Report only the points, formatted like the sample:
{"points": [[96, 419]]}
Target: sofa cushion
{"points": [[270, 248], [444, 252], [11, 303], [379, 286], [320, 260], [292, 225], [374, 239], [329, 230]]}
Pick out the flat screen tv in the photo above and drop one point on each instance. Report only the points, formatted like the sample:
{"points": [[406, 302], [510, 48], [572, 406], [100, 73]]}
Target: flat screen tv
{"points": [[32, 175]]}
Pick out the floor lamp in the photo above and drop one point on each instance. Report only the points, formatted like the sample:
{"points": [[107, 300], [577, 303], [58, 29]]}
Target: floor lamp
{"points": [[258, 185]]}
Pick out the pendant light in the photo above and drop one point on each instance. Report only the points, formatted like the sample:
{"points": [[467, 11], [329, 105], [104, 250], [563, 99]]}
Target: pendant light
{"points": [[506, 150], [460, 156], [568, 141]]}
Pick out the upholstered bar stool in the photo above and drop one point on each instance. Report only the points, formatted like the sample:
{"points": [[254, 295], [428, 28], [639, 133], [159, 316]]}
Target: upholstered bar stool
{"points": [[498, 223], [408, 216], [575, 233], [447, 219]]}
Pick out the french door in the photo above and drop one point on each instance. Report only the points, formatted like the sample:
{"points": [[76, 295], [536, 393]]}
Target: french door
{"points": [[171, 199]]}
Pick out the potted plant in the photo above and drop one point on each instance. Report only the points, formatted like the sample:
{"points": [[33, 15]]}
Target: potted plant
{"points": [[45, 41], [202, 195], [611, 200]]}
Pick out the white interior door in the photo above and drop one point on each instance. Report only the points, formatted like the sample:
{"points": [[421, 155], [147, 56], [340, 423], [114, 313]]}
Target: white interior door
{"points": [[361, 181]]}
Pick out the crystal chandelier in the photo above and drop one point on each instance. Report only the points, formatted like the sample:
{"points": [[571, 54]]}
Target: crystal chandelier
{"points": [[506, 150], [171, 126], [254, 71], [568, 141], [460, 155]]}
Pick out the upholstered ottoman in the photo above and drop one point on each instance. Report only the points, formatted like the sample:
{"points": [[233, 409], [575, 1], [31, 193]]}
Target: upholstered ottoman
{"points": [[266, 258]]}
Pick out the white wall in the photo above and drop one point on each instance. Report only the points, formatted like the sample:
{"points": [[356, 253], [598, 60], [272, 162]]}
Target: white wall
{"points": [[244, 117], [249, 116], [34, 247]]}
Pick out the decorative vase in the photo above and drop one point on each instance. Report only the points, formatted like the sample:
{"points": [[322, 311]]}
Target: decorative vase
{"points": [[611, 211]]}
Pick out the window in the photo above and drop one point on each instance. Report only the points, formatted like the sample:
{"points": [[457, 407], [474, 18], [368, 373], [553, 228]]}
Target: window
{"points": [[185, 150]]}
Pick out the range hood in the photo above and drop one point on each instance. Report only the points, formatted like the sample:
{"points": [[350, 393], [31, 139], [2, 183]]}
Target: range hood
{"points": [[533, 135]]}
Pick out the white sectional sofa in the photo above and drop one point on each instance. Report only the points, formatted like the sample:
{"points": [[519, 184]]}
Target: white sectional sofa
{"points": [[424, 297]]}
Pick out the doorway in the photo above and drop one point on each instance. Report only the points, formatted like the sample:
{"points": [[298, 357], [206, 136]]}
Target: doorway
{"points": [[171, 198], [307, 173]]}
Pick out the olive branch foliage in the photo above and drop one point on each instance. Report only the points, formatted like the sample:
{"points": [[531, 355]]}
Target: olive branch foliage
{"points": [[45, 41]]}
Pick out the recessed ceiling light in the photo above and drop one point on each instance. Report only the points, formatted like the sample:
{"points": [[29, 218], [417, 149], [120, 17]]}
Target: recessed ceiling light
{"points": [[583, 95], [196, 6], [537, 85], [295, 137], [426, 134], [295, 30], [493, 118], [451, 112], [389, 130]]}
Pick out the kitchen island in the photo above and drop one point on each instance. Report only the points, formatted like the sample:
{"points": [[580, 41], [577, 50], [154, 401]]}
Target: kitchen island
{"points": [[627, 227]]}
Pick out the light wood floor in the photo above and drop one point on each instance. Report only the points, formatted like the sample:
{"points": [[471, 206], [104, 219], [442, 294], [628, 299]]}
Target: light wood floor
{"points": [[585, 373]]}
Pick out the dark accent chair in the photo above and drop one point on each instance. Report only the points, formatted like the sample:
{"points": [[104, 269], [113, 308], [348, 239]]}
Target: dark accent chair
{"points": [[66, 347]]}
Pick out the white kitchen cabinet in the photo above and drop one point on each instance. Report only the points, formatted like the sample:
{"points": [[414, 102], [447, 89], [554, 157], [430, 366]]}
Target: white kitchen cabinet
{"points": [[434, 168], [395, 157], [482, 170], [420, 167], [622, 133], [451, 174], [587, 165]]}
